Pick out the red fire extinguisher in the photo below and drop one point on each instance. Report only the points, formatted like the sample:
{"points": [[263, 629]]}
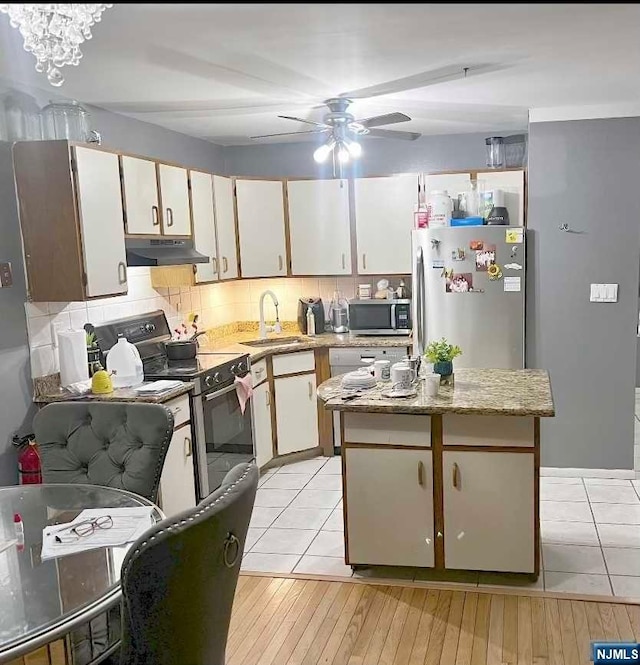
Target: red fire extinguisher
{"points": [[29, 464]]}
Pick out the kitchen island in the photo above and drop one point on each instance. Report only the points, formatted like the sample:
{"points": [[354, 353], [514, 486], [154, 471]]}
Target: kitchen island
{"points": [[445, 482]]}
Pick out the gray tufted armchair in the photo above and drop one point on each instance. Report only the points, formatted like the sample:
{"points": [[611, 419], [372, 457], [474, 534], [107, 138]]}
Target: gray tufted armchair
{"points": [[114, 444]]}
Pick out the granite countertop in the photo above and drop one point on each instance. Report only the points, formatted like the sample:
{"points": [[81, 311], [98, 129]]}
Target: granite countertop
{"points": [[46, 396], [506, 392], [233, 343]]}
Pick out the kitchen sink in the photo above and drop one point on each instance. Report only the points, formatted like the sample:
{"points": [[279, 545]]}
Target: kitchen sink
{"points": [[273, 341]]}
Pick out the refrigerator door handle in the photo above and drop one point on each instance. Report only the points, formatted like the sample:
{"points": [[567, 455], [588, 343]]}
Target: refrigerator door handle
{"points": [[421, 287]]}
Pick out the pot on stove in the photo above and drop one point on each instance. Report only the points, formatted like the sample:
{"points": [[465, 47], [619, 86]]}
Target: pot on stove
{"points": [[181, 349]]}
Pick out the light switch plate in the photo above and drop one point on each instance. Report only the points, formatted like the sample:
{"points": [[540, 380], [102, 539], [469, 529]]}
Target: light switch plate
{"points": [[603, 293]]}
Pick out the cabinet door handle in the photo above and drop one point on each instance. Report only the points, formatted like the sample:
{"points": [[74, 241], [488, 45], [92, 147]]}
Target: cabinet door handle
{"points": [[169, 217], [310, 390], [122, 272], [279, 261], [268, 396], [187, 447], [455, 476], [225, 264], [421, 474], [344, 262], [155, 216], [364, 261], [214, 261]]}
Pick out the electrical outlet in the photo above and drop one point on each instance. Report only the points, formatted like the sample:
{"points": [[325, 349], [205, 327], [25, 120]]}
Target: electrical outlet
{"points": [[6, 276]]}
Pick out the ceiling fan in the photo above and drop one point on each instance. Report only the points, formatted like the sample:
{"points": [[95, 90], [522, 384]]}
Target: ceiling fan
{"points": [[343, 130]]}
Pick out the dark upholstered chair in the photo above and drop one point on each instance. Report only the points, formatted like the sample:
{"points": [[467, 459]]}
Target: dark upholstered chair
{"points": [[114, 444], [179, 579]]}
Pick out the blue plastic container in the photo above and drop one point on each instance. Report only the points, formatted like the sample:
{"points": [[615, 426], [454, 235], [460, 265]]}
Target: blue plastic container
{"points": [[467, 221]]}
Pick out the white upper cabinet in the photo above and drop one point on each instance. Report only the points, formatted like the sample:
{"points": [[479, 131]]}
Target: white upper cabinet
{"points": [[101, 222], [225, 227], [174, 190], [319, 227], [512, 184], [204, 226], [140, 188], [261, 228], [384, 209]]}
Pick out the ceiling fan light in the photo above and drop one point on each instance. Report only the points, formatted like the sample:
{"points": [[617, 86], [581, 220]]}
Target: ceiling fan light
{"points": [[320, 155], [343, 154], [355, 149]]}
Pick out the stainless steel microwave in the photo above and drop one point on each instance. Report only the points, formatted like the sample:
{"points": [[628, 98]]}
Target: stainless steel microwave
{"points": [[380, 317]]}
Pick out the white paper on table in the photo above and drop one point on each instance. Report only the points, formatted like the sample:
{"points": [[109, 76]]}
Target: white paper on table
{"points": [[128, 525], [158, 386]]}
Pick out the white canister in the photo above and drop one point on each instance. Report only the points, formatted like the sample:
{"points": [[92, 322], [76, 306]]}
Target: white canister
{"points": [[382, 370], [401, 375], [364, 291], [439, 208], [431, 385]]}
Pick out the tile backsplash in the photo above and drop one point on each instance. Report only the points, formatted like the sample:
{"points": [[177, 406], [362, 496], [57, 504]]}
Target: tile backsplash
{"points": [[216, 304]]}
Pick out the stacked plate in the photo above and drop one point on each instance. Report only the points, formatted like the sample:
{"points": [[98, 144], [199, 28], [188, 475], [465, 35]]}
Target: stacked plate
{"points": [[358, 380]]}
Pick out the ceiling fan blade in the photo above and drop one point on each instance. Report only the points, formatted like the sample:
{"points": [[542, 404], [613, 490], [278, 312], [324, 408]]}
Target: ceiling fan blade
{"points": [[422, 80], [308, 122], [310, 131], [386, 119], [394, 134]]}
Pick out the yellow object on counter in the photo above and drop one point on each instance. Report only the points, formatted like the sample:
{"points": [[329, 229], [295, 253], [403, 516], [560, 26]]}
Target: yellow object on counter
{"points": [[101, 383]]}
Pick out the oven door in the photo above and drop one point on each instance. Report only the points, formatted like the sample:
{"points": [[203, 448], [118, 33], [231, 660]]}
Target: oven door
{"points": [[225, 435], [372, 317]]}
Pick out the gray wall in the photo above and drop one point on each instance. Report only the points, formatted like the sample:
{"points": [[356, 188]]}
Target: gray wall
{"points": [[585, 173], [15, 377], [379, 157], [122, 133]]}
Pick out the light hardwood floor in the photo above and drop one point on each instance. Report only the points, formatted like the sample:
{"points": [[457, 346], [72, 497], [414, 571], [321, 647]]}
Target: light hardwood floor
{"points": [[280, 621]]}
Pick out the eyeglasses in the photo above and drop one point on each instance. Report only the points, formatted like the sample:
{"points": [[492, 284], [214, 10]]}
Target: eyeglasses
{"points": [[86, 528]]}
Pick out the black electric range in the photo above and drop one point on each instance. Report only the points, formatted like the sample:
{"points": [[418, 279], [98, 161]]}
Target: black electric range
{"points": [[223, 431]]}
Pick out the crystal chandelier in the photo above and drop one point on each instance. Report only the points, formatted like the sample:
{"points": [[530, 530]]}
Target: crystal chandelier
{"points": [[53, 33]]}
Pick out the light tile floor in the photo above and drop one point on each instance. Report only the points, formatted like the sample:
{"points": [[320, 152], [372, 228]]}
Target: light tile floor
{"points": [[590, 533]]}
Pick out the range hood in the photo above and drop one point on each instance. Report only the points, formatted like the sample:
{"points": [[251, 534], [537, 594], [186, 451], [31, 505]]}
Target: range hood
{"points": [[162, 252]]}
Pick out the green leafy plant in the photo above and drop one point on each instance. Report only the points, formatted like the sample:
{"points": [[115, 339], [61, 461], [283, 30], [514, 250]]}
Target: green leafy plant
{"points": [[91, 340], [441, 351]]}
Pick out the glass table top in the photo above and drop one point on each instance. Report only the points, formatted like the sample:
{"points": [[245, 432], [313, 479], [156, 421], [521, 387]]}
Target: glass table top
{"points": [[39, 596]]}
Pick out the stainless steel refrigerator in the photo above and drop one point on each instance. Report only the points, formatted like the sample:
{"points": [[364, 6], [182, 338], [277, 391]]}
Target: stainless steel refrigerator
{"points": [[469, 287]]}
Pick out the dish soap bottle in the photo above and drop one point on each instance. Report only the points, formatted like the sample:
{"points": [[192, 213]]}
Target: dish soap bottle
{"points": [[124, 362], [311, 322]]}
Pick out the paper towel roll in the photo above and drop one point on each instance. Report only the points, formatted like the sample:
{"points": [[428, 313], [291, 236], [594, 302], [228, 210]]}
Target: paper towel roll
{"points": [[72, 349]]}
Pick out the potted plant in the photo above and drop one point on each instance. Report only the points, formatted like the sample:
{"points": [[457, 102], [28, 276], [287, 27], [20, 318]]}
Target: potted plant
{"points": [[441, 354]]}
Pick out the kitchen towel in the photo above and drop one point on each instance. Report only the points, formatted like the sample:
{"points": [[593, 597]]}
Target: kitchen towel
{"points": [[72, 349], [244, 390]]}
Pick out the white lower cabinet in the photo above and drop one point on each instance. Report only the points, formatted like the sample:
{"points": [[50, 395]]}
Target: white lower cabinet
{"points": [[262, 430], [489, 511], [177, 482], [389, 504], [297, 413]]}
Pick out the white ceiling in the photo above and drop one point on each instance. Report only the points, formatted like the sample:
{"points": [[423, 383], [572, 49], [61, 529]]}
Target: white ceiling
{"points": [[223, 72]]}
